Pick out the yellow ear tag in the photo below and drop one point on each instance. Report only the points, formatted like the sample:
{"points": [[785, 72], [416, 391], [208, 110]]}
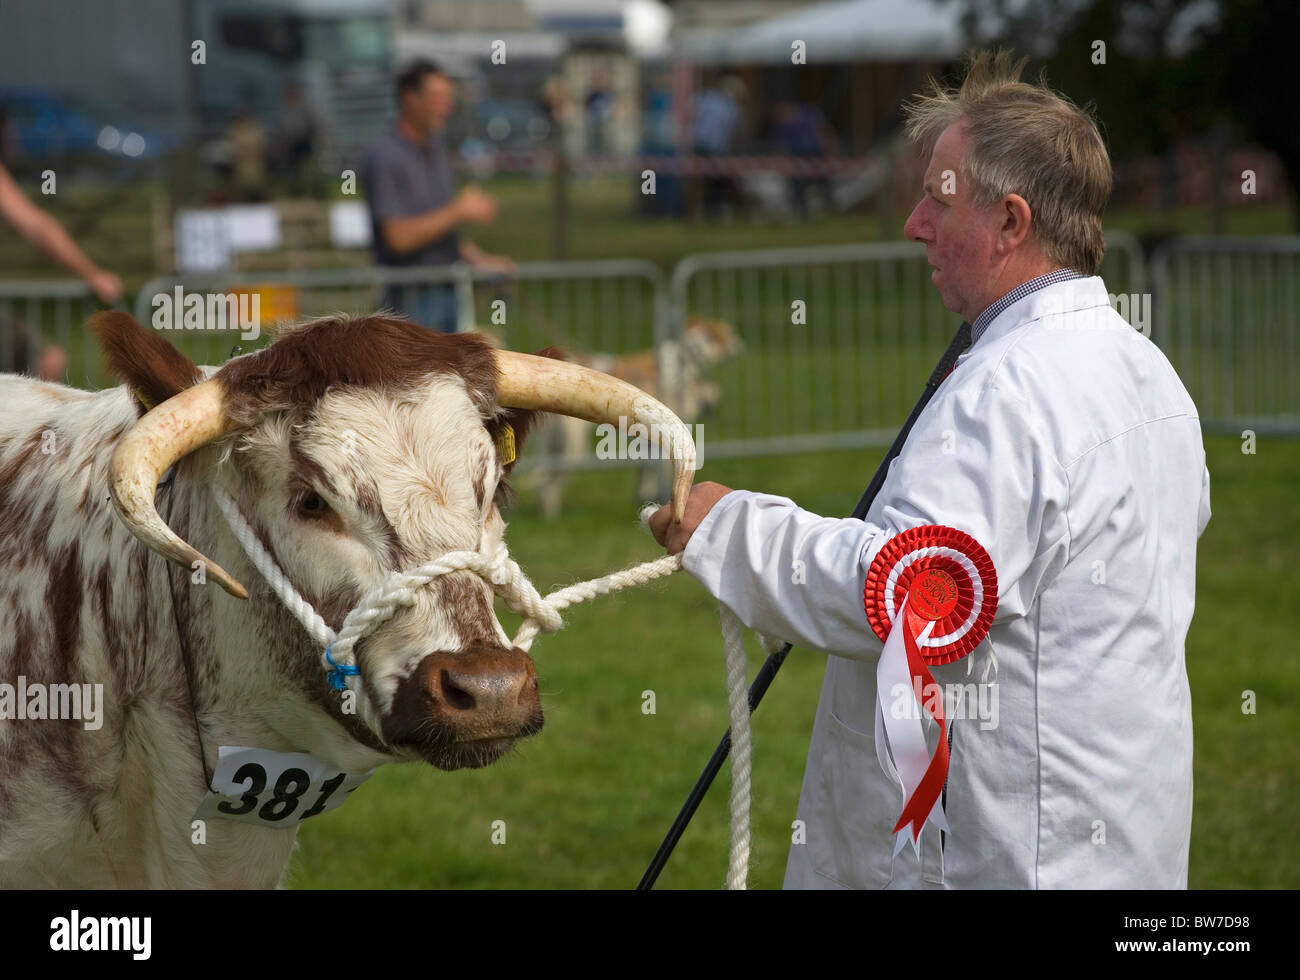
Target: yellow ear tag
{"points": [[506, 445], [139, 396]]}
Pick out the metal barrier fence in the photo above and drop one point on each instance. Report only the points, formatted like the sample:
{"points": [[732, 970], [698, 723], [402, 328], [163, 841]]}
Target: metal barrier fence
{"points": [[279, 298], [596, 311], [42, 330], [836, 341], [612, 305], [1226, 317], [1125, 264], [773, 351]]}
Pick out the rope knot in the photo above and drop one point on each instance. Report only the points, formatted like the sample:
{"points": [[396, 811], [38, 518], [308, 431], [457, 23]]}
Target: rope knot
{"points": [[337, 676], [541, 614]]}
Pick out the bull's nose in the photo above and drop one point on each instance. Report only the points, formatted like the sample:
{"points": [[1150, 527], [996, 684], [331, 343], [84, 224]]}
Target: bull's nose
{"points": [[466, 696], [487, 696]]}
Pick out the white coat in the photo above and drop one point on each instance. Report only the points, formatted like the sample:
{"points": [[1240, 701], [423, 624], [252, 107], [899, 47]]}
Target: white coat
{"points": [[1064, 442]]}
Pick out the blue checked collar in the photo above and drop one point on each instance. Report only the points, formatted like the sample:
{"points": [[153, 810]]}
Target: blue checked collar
{"points": [[1020, 292]]}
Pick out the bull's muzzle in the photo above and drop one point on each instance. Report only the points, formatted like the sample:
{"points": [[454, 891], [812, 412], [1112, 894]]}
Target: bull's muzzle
{"points": [[465, 709]]}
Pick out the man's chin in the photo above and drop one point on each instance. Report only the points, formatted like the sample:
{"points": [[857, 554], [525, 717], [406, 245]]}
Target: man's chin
{"points": [[950, 303]]}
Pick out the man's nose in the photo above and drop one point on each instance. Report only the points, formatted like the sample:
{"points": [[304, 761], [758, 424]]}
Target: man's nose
{"points": [[914, 229]]}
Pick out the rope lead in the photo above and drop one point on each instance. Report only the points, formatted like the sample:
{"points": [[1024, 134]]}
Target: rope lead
{"points": [[541, 615]]}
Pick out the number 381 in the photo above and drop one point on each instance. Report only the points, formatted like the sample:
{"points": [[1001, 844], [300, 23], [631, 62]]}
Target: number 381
{"points": [[284, 796]]}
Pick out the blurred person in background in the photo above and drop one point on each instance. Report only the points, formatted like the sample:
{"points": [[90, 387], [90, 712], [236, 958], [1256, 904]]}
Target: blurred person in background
{"points": [[27, 352], [23, 348], [800, 130], [415, 213], [716, 123], [298, 134], [557, 107], [600, 106], [248, 153]]}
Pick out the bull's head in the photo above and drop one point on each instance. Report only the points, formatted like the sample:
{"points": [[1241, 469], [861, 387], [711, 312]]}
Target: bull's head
{"points": [[361, 447]]}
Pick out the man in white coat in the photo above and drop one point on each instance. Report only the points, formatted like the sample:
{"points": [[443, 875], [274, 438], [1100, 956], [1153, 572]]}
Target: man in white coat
{"points": [[1066, 445]]}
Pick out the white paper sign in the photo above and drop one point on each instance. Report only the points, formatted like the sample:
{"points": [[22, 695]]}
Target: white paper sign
{"points": [[253, 227], [275, 789], [349, 224], [202, 240]]}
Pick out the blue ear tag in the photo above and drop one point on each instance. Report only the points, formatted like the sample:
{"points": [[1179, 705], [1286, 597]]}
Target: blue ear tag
{"points": [[340, 671]]}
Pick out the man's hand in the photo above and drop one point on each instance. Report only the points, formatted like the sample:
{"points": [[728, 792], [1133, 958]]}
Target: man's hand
{"points": [[105, 285], [502, 265], [475, 207], [698, 504]]}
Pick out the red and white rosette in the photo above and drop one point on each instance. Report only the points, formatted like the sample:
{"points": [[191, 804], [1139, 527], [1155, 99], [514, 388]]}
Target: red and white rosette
{"points": [[930, 595]]}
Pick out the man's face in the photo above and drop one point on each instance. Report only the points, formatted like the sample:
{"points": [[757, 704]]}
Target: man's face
{"points": [[430, 106], [959, 238]]}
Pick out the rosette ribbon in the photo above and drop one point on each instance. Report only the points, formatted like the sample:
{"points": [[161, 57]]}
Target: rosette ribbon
{"points": [[930, 595]]}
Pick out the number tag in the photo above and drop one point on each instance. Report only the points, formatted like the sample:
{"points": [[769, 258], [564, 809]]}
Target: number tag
{"points": [[275, 789]]}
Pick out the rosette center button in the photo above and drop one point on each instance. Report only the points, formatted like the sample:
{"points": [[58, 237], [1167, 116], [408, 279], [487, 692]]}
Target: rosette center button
{"points": [[933, 595]]}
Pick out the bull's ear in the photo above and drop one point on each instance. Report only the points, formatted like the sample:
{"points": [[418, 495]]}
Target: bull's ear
{"points": [[519, 420], [153, 368]]}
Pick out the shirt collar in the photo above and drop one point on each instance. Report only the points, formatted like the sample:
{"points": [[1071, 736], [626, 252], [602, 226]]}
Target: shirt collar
{"points": [[1020, 292]]}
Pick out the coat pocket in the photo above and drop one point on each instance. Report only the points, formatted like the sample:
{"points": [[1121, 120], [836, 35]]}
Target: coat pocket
{"points": [[850, 828]]}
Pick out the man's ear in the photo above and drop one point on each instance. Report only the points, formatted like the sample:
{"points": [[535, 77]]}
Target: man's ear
{"points": [[1016, 223], [153, 368], [510, 427]]}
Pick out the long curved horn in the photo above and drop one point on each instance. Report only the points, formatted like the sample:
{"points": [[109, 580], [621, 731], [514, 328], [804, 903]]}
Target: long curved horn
{"points": [[168, 432], [547, 384]]}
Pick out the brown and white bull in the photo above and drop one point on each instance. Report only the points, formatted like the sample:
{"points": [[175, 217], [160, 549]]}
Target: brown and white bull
{"points": [[355, 448]]}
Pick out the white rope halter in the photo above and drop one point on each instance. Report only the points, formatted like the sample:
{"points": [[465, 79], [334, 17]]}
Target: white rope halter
{"points": [[541, 615]]}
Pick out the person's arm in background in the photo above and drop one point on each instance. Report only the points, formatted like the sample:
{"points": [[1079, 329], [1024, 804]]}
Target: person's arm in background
{"points": [[42, 230], [976, 461], [480, 259]]}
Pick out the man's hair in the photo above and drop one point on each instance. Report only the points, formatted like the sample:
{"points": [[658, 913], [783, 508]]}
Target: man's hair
{"points": [[1027, 140], [410, 78]]}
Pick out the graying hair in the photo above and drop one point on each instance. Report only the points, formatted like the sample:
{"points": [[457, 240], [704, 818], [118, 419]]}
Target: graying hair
{"points": [[1027, 140]]}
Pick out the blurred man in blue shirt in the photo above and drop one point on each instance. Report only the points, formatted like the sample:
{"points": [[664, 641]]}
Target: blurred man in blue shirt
{"points": [[415, 213]]}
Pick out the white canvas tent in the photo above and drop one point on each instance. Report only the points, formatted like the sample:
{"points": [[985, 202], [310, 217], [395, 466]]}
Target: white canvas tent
{"points": [[841, 31]]}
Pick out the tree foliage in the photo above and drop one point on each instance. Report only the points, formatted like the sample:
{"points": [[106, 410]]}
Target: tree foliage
{"points": [[1173, 69]]}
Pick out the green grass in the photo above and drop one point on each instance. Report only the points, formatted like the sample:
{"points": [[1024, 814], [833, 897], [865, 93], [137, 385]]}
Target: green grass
{"points": [[586, 802]]}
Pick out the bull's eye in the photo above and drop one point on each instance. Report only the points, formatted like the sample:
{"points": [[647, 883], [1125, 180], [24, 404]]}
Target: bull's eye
{"points": [[312, 505]]}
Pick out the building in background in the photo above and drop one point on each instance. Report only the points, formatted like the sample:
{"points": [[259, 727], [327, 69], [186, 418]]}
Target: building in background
{"points": [[593, 49], [859, 58], [186, 68]]}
